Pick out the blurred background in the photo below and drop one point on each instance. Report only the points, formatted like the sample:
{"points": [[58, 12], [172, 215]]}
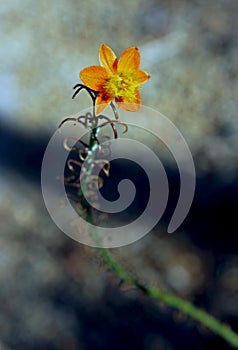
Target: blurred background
{"points": [[58, 294]]}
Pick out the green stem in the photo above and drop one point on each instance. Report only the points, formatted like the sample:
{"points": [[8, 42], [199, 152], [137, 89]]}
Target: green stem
{"points": [[171, 300], [92, 144]]}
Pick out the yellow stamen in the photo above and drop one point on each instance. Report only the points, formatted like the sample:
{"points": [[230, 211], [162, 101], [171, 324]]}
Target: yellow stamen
{"points": [[122, 86]]}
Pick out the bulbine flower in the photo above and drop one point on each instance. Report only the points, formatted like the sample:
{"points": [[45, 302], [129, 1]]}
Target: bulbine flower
{"points": [[116, 79]]}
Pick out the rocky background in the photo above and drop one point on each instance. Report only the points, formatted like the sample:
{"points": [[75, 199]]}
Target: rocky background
{"points": [[58, 294]]}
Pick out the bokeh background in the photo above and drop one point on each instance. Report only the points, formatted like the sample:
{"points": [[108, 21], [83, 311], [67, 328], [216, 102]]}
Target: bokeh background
{"points": [[57, 294]]}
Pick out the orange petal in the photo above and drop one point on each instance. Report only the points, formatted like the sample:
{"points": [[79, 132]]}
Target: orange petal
{"points": [[107, 58], [102, 102], [129, 60], [132, 106], [141, 76], [94, 77]]}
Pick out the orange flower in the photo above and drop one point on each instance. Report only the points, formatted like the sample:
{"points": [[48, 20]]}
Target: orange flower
{"points": [[116, 79]]}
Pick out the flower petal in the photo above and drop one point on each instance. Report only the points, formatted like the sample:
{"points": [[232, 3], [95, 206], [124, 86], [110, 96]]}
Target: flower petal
{"points": [[132, 106], [129, 60], [94, 77], [141, 76], [102, 101], [107, 58]]}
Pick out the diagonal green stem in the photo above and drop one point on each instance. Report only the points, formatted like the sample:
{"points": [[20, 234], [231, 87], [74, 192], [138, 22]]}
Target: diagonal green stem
{"points": [[171, 300]]}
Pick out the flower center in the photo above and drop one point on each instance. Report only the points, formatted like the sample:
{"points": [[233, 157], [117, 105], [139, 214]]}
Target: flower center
{"points": [[122, 86]]}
